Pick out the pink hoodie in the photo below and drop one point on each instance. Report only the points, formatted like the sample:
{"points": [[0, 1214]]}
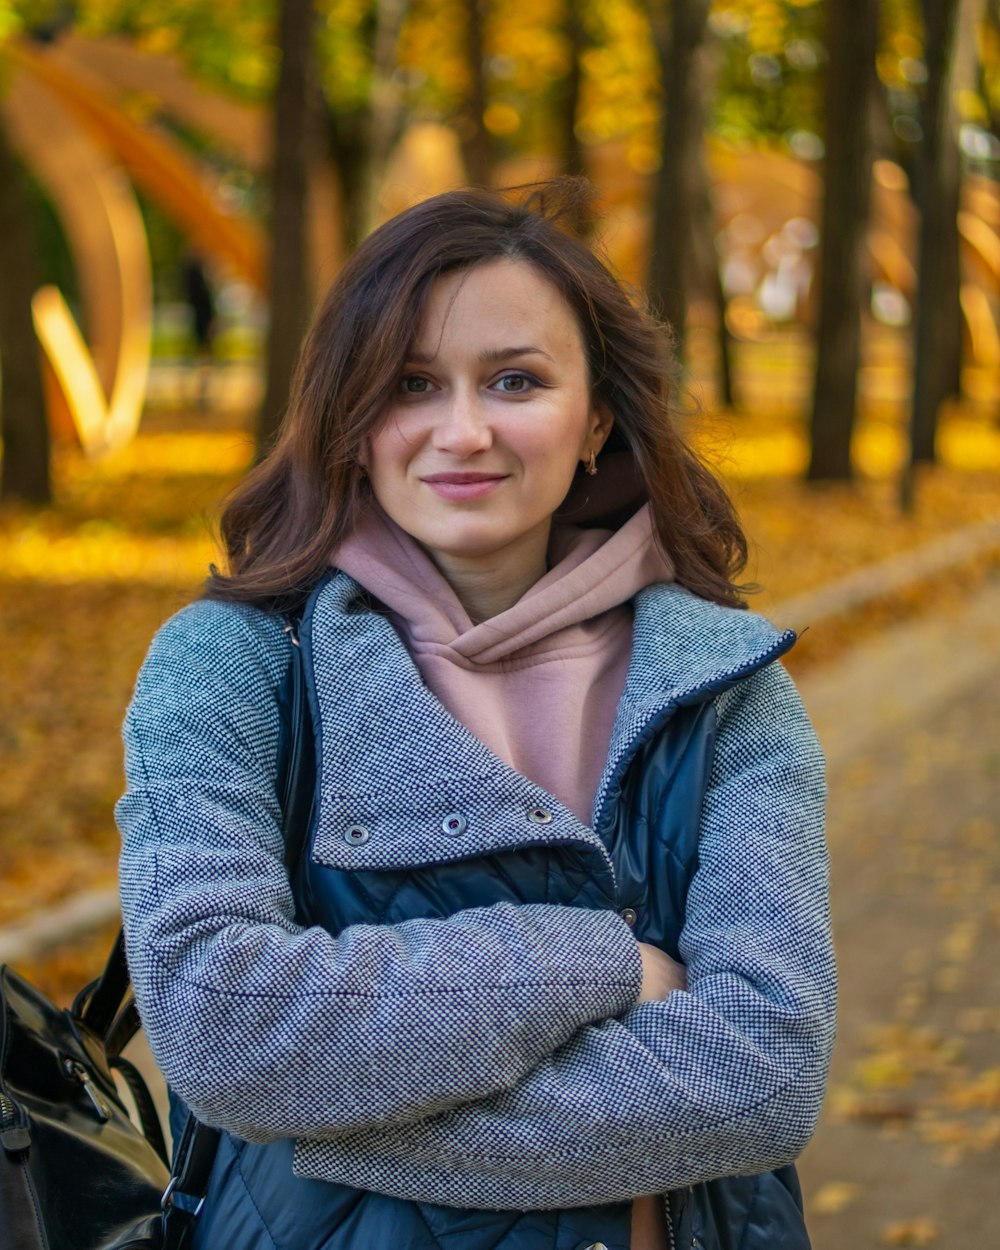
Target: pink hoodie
{"points": [[540, 683]]}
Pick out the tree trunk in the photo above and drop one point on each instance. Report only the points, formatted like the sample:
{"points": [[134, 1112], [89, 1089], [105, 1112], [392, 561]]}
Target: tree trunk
{"points": [[678, 36], [296, 129], [704, 231], [24, 468], [477, 145], [851, 31], [707, 254], [569, 103], [938, 316], [348, 136], [386, 103]]}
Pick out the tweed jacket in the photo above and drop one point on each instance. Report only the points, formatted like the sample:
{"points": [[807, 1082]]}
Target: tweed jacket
{"points": [[492, 1056]]}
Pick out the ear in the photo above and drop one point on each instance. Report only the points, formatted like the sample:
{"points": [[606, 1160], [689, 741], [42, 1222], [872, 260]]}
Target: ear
{"points": [[599, 427]]}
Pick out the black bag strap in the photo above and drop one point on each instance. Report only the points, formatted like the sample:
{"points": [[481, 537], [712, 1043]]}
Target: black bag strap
{"points": [[185, 1195], [98, 1003], [296, 774], [144, 1105], [123, 1028]]}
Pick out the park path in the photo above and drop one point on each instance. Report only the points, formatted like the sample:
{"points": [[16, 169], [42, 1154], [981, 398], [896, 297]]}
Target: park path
{"points": [[908, 1149]]}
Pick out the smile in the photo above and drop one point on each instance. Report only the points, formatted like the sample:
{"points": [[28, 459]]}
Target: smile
{"points": [[459, 487]]}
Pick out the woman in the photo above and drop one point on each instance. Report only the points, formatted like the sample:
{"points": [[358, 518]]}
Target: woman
{"points": [[556, 971]]}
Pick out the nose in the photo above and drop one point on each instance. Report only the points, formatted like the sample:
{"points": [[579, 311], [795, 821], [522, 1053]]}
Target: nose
{"points": [[463, 426]]}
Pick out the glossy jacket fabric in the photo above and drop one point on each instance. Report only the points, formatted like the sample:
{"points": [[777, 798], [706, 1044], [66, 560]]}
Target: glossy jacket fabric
{"points": [[707, 826]]}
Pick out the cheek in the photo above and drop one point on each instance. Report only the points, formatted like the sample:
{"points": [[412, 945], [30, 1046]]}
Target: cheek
{"points": [[385, 450], [576, 428]]}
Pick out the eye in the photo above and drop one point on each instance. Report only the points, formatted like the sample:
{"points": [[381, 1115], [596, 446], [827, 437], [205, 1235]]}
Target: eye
{"points": [[515, 383], [414, 384]]}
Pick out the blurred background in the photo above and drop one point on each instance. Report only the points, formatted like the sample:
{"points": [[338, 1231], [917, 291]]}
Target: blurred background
{"points": [[807, 192]]}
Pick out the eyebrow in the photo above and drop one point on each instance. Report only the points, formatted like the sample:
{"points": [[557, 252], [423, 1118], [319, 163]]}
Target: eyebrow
{"points": [[492, 355]]}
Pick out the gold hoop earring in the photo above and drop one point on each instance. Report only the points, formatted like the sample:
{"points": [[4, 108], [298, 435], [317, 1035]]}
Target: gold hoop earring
{"points": [[590, 468]]}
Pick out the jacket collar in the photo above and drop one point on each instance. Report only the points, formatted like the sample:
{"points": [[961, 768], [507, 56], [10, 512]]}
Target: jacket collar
{"points": [[684, 650], [392, 760]]}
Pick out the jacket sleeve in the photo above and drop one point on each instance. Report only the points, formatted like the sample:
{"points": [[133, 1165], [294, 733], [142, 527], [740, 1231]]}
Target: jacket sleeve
{"points": [[271, 1030], [722, 1079]]}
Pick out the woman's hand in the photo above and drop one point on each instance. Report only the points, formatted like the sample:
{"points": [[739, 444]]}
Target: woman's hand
{"points": [[660, 974]]}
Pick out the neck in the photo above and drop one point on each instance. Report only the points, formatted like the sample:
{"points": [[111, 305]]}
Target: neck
{"points": [[485, 588]]}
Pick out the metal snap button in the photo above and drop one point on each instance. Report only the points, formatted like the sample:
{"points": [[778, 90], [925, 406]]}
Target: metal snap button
{"points": [[629, 915], [539, 815], [356, 835], [454, 825]]}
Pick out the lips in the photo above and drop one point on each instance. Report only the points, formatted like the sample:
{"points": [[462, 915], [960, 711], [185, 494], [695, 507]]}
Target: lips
{"points": [[459, 487]]}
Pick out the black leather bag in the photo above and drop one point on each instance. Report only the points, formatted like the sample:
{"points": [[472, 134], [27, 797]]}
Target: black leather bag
{"points": [[76, 1173]]}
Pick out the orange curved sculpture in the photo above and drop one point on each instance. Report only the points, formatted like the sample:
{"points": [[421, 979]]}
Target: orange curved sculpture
{"points": [[86, 151], [101, 386]]}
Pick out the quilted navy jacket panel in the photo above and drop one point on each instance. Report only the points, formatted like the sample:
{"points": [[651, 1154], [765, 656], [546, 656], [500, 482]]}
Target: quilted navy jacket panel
{"points": [[463, 983]]}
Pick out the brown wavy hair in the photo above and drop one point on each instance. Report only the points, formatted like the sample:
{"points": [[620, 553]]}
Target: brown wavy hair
{"points": [[282, 523]]}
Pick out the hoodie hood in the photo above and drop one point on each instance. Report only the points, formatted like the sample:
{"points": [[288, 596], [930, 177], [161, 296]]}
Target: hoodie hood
{"points": [[592, 571]]}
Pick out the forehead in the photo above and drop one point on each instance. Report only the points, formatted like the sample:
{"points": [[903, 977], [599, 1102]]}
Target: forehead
{"points": [[495, 299]]}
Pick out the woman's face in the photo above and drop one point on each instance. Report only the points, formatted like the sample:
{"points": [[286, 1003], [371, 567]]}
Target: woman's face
{"points": [[490, 419]]}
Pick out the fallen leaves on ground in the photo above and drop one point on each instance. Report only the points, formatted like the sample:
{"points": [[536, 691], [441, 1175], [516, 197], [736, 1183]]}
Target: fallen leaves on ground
{"points": [[929, 1071], [921, 1231], [834, 1197]]}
